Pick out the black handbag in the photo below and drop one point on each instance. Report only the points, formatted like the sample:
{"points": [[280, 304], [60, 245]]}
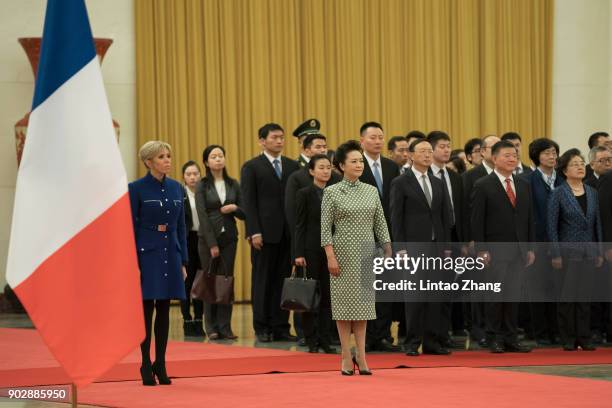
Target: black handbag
{"points": [[300, 294]]}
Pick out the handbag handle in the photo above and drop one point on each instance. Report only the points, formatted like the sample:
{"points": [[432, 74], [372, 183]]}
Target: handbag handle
{"points": [[220, 258], [294, 272]]}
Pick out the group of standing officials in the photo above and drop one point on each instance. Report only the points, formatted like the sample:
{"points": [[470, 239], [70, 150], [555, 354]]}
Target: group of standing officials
{"points": [[317, 213]]}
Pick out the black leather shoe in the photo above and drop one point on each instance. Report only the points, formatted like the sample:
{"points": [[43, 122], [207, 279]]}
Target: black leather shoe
{"points": [[587, 347], [517, 347], [283, 337], [385, 345], [327, 349], [569, 347], [447, 343], [412, 351], [147, 374], [159, 369], [263, 337], [301, 342], [544, 342], [483, 343], [495, 347], [188, 328], [440, 351], [313, 349], [198, 328]]}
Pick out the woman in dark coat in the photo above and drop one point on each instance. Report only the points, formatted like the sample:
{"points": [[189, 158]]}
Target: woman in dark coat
{"points": [[192, 326], [218, 205], [159, 229]]}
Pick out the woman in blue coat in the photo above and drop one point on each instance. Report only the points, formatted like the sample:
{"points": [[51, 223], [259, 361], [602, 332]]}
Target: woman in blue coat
{"points": [[159, 229], [574, 229]]}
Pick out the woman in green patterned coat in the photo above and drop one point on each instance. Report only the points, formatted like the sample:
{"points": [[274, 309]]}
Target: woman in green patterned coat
{"points": [[352, 220]]}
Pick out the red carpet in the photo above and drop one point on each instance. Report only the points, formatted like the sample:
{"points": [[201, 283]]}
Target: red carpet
{"points": [[24, 360], [436, 387]]}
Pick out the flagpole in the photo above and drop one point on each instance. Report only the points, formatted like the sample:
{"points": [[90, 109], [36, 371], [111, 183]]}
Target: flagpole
{"points": [[73, 395]]}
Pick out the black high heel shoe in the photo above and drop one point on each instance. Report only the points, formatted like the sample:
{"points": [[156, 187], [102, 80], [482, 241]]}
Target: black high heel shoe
{"points": [[348, 372], [361, 372], [160, 372], [146, 373]]}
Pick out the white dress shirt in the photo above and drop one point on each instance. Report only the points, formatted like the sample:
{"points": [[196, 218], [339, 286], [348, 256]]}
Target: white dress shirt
{"points": [[371, 164], [502, 180], [194, 211]]}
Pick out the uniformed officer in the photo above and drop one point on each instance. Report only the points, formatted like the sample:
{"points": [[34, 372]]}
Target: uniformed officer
{"points": [[309, 127], [159, 228]]}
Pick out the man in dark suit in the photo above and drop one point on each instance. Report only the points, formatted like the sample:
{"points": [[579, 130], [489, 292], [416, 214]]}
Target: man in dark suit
{"points": [[517, 141], [441, 144], [477, 324], [596, 139], [502, 212], [378, 171], [600, 160], [263, 181], [421, 214], [603, 322]]}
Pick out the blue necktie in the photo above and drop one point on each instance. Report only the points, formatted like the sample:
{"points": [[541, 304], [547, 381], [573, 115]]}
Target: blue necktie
{"points": [[378, 179], [277, 169]]}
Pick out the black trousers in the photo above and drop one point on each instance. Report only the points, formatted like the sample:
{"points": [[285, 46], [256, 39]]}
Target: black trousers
{"points": [[317, 325], [218, 318], [502, 316], [162, 326], [271, 266], [573, 313], [192, 268]]}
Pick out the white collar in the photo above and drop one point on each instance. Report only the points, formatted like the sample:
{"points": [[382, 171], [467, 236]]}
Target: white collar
{"points": [[436, 170], [306, 158], [486, 166], [272, 158], [503, 178], [372, 161], [417, 173]]}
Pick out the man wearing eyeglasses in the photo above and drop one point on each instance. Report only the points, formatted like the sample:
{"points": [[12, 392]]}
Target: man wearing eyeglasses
{"points": [[600, 159]]}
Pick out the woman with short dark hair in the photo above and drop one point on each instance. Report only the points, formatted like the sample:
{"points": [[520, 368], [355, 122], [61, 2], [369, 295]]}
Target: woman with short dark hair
{"points": [[573, 217]]}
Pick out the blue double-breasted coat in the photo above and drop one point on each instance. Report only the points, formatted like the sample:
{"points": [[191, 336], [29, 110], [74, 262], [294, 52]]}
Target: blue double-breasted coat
{"points": [[159, 229]]}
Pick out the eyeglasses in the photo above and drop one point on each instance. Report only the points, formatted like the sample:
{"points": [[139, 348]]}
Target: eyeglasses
{"points": [[424, 151], [576, 165], [605, 161]]}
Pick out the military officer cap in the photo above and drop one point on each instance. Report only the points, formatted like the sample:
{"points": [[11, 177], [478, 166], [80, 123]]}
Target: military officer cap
{"points": [[309, 127]]}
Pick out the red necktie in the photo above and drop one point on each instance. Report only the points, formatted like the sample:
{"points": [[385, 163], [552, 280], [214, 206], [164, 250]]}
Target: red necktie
{"points": [[510, 193]]}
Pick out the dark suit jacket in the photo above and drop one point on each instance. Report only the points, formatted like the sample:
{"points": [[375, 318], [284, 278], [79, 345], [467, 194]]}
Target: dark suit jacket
{"points": [[389, 172], [526, 170], [566, 222], [494, 219], [605, 207], [412, 218], [540, 193], [212, 221], [592, 181], [469, 179], [297, 181], [263, 195], [308, 220]]}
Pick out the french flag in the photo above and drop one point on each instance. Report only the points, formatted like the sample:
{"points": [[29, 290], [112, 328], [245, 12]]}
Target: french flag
{"points": [[72, 257]]}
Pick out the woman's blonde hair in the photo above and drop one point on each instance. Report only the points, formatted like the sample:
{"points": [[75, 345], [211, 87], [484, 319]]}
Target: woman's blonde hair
{"points": [[151, 149]]}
